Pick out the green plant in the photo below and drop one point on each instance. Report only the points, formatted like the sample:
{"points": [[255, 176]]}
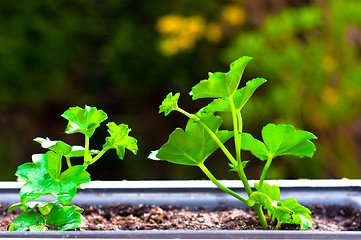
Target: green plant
{"points": [[202, 137], [45, 174]]}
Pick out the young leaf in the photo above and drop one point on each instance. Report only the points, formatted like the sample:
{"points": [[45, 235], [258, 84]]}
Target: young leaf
{"points": [[120, 139], [56, 146], [28, 221], [83, 121], [42, 176], [280, 140], [241, 96], [43, 207], [235, 168], [273, 191], [65, 217], [287, 211], [169, 104], [194, 145], [78, 151], [301, 215], [63, 148], [221, 84], [218, 105]]}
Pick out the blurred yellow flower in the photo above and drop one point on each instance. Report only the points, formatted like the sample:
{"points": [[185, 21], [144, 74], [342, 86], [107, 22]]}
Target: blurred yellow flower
{"points": [[213, 32], [180, 32], [234, 15], [169, 24]]}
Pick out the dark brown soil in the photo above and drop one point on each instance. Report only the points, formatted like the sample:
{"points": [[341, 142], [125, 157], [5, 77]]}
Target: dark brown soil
{"points": [[146, 217]]}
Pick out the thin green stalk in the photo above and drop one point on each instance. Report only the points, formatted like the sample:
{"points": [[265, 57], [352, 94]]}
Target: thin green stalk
{"points": [[212, 134], [237, 132], [219, 185], [189, 115], [279, 224], [68, 162], [262, 219], [99, 155], [238, 129], [238, 126], [264, 171], [86, 152]]}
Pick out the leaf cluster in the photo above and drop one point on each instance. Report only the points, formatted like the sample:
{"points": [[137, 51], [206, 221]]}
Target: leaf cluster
{"points": [[202, 136], [47, 175]]}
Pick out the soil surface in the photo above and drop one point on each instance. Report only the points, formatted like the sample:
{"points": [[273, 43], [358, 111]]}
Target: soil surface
{"points": [[147, 217]]}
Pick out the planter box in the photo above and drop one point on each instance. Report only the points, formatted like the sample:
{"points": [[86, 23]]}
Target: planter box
{"points": [[194, 194]]}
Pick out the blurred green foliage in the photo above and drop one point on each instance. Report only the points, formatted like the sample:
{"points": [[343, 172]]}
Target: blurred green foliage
{"points": [[123, 56], [311, 57]]}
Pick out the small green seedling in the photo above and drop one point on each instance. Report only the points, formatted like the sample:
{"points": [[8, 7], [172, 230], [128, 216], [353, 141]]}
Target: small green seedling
{"points": [[46, 174], [202, 137]]}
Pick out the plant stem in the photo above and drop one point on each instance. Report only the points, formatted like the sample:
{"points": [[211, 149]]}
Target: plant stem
{"points": [[211, 134], [238, 129], [238, 126], [86, 152], [96, 158], [262, 219], [219, 185], [219, 143], [189, 115], [237, 132], [279, 224], [264, 171], [68, 162]]}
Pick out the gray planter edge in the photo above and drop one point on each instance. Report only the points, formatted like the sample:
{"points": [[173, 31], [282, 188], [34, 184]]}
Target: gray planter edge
{"points": [[195, 193]]}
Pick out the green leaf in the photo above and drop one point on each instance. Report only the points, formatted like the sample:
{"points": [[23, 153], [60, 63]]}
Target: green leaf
{"points": [[65, 217], [15, 206], [301, 215], [235, 168], [51, 216], [56, 146], [78, 151], [63, 148], [218, 105], [43, 207], [28, 221], [264, 200], [241, 96], [83, 121], [287, 211], [194, 145], [169, 104], [219, 84], [280, 140], [273, 191], [120, 139], [43, 176], [256, 147], [284, 139]]}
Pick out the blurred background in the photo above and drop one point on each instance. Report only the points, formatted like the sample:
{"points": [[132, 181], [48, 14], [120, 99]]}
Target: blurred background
{"points": [[124, 56]]}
